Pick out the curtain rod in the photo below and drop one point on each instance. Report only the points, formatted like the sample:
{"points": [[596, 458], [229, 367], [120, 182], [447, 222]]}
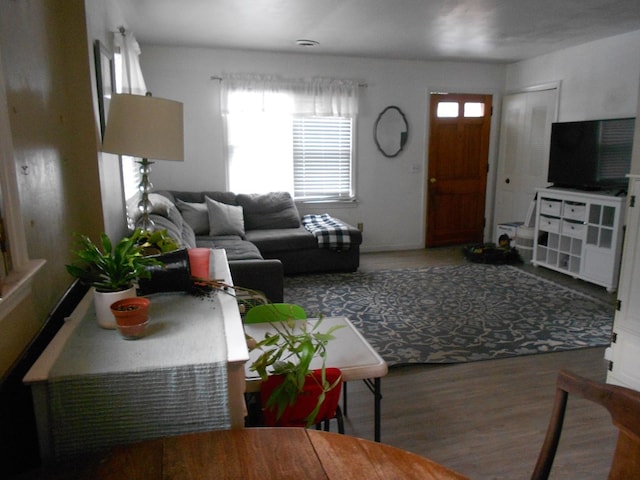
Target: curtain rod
{"points": [[219, 79]]}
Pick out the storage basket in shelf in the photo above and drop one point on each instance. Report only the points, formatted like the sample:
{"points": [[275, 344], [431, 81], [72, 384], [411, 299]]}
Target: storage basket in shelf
{"points": [[524, 243]]}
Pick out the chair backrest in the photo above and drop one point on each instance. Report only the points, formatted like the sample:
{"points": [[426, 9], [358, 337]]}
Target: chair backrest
{"points": [[274, 312], [624, 406]]}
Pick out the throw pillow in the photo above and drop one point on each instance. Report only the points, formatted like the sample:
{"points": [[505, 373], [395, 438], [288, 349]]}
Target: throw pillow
{"points": [[224, 219], [160, 205], [269, 210], [196, 215]]}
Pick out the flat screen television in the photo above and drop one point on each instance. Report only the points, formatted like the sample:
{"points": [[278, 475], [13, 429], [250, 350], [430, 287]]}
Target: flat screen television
{"points": [[592, 154]]}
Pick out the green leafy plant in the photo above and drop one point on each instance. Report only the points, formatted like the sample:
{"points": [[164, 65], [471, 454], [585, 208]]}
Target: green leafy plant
{"points": [[156, 242], [289, 353], [109, 267]]}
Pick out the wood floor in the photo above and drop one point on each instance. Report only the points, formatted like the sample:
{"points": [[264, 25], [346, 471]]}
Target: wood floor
{"points": [[486, 419]]}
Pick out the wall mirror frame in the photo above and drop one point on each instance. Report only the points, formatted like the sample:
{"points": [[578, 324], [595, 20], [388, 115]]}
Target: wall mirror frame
{"points": [[391, 131]]}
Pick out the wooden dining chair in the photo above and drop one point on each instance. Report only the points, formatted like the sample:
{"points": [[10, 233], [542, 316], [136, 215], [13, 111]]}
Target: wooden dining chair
{"points": [[624, 406]]}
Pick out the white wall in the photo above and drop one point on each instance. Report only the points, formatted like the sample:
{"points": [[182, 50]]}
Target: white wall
{"points": [[599, 79], [391, 192]]}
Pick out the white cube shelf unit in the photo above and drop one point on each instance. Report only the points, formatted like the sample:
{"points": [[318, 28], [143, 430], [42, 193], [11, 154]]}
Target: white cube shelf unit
{"points": [[580, 234]]}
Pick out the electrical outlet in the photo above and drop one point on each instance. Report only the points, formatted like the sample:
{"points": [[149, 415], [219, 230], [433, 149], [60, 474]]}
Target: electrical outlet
{"points": [[361, 226]]}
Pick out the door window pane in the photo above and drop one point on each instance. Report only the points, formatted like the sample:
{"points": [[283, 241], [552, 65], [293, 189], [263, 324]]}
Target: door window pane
{"points": [[473, 109], [447, 110]]}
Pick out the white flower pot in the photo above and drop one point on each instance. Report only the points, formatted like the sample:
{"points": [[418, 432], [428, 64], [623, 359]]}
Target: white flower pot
{"points": [[103, 301]]}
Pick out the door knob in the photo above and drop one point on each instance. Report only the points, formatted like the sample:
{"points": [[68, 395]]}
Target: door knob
{"points": [[432, 180], [508, 180]]}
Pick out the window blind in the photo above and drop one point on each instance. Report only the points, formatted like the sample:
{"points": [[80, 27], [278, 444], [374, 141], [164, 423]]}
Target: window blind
{"points": [[322, 158]]}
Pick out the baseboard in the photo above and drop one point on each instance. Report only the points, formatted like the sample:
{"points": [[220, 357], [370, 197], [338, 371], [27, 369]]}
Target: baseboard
{"points": [[390, 248]]}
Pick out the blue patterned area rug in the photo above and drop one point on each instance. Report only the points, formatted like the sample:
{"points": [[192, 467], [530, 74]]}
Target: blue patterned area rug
{"points": [[451, 314]]}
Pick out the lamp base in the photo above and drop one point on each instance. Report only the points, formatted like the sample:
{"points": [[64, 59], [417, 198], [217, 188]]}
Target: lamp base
{"points": [[144, 205]]}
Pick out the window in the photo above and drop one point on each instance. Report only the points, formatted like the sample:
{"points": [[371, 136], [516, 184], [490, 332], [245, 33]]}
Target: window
{"points": [[322, 158], [451, 109], [447, 109], [294, 136]]}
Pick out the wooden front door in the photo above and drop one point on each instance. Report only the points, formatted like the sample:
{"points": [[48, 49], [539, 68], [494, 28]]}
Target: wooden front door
{"points": [[457, 174]]}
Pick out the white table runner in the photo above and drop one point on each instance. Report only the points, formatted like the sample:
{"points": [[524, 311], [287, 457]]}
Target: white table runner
{"points": [[105, 390]]}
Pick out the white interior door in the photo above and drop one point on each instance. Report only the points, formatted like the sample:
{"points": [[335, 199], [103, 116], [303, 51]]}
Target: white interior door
{"points": [[523, 155]]}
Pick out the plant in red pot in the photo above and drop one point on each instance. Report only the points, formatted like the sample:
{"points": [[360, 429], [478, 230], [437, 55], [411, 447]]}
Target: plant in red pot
{"points": [[294, 394], [132, 316]]}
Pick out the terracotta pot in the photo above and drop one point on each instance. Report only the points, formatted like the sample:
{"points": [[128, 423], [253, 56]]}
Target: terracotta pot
{"points": [[132, 316], [102, 302]]}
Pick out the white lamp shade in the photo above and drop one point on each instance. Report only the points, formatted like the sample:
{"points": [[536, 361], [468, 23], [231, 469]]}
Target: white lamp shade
{"points": [[145, 127]]}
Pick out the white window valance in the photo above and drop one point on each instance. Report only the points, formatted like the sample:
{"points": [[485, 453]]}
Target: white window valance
{"points": [[271, 94]]}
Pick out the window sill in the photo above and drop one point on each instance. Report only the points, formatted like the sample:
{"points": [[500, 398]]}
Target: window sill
{"points": [[337, 203], [17, 285]]}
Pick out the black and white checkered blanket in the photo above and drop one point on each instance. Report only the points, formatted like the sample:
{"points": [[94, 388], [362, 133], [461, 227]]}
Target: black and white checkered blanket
{"points": [[330, 232]]}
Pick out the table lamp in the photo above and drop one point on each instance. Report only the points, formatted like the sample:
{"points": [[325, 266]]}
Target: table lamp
{"points": [[145, 127]]}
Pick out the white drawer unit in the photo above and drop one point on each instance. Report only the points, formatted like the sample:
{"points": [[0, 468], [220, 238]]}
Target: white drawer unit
{"points": [[579, 233]]}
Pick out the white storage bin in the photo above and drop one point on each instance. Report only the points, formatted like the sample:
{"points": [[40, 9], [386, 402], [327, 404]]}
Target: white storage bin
{"points": [[572, 229], [509, 229], [574, 211], [549, 224], [550, 207], [524, 243]]}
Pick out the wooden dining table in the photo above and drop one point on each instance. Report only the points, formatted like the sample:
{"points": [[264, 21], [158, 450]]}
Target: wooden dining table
{"points": [[252, 453]]}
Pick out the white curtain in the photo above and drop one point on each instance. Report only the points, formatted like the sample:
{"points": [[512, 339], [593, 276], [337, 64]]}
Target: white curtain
{"points": [[258, 112], [317, 97], [129, 79], [129, 75]]}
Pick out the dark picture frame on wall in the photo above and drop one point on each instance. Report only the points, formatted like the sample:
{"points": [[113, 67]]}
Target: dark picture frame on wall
{"points": [[105, 80]]}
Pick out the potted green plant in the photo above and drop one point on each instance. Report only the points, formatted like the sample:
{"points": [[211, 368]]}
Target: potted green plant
{"points": [[156, 242], [111, 269], [294, 393]]}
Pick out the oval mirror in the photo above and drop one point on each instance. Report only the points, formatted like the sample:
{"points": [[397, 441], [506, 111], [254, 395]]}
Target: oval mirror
{"points": [[391, 131]]}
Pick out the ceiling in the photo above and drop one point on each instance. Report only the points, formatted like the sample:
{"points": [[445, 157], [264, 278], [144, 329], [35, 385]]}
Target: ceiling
{"points": [[498, 31]]}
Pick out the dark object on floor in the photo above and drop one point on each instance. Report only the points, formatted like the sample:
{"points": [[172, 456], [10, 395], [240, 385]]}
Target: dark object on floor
{"points": [[489, 253]]}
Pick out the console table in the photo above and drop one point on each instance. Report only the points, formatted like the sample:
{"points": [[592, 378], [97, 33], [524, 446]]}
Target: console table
{"points": [[93, 389]]}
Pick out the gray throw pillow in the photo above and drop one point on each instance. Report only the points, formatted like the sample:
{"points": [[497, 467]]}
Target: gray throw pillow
{"points": [[196, 215], [269, 210], [224, 219]]}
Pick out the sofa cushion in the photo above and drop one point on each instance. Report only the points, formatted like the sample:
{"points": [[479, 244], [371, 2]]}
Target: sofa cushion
{"points": [[198, 197], [235, 247], [196, 215], [281, 239], [188, 236], [224, 219], [269, 210], [163, 223]]}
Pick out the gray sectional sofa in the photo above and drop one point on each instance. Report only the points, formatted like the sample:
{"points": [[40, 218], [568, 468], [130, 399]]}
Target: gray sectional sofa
{"points": [[262, 234]]}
